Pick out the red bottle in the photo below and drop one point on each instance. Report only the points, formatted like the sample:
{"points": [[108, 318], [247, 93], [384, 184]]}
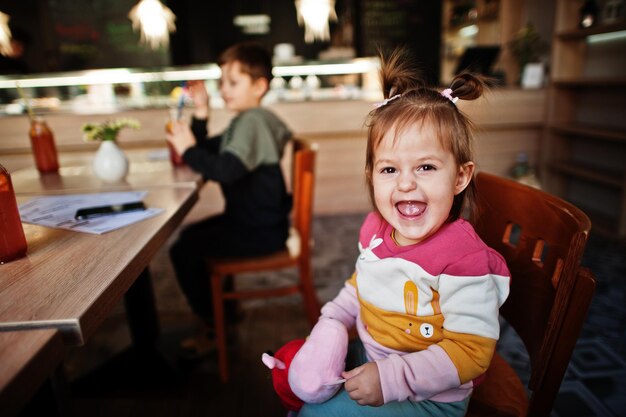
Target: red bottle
{"points": [[44, 150], [175, 157], [12, 239]]}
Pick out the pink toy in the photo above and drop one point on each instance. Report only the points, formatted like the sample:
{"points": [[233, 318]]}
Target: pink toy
{"points": [[310, 371]]}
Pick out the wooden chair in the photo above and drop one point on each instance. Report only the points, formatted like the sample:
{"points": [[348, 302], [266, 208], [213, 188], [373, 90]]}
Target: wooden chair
{"points": [[303, 181], [542, 239]]}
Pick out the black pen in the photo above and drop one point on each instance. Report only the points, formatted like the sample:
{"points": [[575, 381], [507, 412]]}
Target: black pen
{"points": [[91, 212]]}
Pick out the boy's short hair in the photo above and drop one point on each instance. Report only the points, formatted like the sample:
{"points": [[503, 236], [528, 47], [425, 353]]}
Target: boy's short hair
{"points": [[254, 59]]}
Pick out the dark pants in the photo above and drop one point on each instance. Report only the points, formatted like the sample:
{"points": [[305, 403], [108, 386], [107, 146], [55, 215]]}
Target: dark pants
{"points": [[216, 237]]}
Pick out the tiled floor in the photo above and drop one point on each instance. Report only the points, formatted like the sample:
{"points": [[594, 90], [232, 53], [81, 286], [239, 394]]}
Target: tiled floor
{"points": [[595, 384]]}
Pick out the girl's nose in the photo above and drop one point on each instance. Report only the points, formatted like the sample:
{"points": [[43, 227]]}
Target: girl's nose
{"points": [[406, 182]]}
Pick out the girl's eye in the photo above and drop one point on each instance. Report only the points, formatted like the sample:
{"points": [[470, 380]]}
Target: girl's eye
{"points": [[387, 170], [426, 168]]}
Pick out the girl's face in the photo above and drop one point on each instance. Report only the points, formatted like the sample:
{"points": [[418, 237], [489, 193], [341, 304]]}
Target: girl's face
{"points": [[415, 180], [239, 91]]}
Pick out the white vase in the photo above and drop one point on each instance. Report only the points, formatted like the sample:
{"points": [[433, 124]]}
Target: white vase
{"points": [[110, 164]]}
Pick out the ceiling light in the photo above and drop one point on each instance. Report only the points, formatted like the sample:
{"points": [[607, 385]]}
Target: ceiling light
{"points": [[315, 15], [155, 21], [607, 37]]}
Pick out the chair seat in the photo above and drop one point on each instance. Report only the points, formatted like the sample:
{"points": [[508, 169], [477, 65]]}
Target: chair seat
{"points": [[232, 266], [501, 394]]}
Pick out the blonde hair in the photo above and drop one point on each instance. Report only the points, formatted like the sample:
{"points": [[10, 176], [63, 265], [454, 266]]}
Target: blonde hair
{"points": [[419, 104]]}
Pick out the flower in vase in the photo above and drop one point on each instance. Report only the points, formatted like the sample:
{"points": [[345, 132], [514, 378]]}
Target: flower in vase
{"points": [[107, 130]]}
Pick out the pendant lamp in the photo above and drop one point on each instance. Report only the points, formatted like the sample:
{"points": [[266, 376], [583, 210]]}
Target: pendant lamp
{"points": [[5, 35], [155, 22], [315, 15]]}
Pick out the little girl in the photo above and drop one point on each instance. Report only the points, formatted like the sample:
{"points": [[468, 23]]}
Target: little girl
{"points": [[426, 292]]}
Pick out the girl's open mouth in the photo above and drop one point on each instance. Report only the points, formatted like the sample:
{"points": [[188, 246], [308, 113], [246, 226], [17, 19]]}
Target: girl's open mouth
{"points": [[411, 208]]}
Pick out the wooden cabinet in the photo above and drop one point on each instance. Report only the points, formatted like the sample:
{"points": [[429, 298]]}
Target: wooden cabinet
{"points": [[584, 148]]}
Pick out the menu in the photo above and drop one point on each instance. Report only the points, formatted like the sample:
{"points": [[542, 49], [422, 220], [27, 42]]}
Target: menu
{"points": [[59, 211]]}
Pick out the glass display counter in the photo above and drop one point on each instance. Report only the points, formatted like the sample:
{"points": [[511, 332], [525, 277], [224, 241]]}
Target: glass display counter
{"points": [[121, 89]]}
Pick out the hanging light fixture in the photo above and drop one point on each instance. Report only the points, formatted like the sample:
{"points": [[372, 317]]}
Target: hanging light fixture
{"points": [[5, 35], [154, 20], [315, 15]]}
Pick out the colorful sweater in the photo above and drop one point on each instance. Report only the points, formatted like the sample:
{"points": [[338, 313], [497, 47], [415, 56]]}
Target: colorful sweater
{"points": [[426, 313]]}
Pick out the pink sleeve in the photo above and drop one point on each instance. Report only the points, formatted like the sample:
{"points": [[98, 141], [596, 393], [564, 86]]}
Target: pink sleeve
{"points": [[344, 307], [417, 376]]}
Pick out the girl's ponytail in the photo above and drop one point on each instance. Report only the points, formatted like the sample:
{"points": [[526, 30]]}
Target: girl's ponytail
{"points": [[467, 86], [398, 74]]}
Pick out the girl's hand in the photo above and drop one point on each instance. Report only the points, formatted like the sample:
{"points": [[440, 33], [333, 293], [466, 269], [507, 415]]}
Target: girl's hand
{"points": [[363, 384], [180, 136], [200, 97]]}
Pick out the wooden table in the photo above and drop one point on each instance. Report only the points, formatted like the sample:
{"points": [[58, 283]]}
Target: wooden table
{"points": [[71, 281], [28, 359]]}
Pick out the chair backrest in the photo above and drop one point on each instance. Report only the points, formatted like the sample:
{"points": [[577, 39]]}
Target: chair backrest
{"points": [[542, 239], [303, 185]]}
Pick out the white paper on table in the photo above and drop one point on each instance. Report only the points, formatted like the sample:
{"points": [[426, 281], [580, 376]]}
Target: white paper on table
{"points": [[58, 211]]}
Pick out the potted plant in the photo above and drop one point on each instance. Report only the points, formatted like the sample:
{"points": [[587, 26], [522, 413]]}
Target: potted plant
{"points": [[109, 164], [527, 47]]}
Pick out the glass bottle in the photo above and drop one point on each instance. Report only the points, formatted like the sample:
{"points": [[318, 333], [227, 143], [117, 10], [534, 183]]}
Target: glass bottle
{"points": [[12, 239], [175, 158], [44, 149]]}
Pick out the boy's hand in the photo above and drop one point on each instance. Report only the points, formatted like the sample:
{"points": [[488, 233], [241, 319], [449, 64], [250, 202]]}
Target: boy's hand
{"points": [[363, 384], [200, 97], [180, 136]]}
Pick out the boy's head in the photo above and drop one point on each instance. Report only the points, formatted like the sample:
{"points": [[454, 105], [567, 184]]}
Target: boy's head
{"points": [[246, 74], [253, 58]]}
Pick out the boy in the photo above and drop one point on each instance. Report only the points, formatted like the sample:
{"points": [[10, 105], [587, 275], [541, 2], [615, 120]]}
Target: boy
{"points": [[245, 161]]}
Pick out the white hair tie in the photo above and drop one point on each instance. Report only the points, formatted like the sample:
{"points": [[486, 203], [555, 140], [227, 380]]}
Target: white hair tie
{"points": [[447, 93]]}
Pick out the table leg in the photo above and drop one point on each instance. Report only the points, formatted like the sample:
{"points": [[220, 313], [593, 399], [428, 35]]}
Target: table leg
{"points": [[141, 311], [52, 399]]}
